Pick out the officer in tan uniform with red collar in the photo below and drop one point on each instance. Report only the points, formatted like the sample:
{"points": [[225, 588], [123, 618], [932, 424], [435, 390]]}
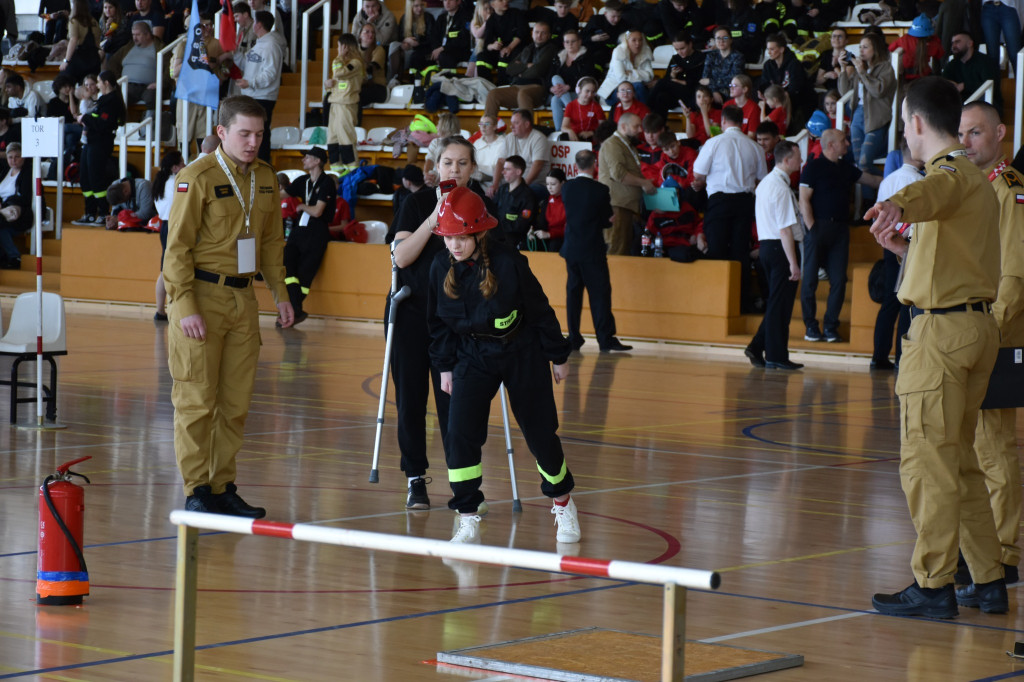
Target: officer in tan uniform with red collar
{"points": [[982, 133], [949, 279], [225, 226]]}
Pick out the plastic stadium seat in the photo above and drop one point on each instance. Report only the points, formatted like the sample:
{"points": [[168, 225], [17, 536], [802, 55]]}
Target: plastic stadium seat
{"points": [[376, 231], [279, 137], [663, 55], [20, 342]]}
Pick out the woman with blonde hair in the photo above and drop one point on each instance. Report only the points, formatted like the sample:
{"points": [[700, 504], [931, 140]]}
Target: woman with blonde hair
{"points": [[447, 126], [477, 26], [413, 44], [633, 61]]}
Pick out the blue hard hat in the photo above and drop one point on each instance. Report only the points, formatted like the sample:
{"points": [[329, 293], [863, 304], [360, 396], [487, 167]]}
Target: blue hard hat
{"points": [[818, 123], [921, 27]]}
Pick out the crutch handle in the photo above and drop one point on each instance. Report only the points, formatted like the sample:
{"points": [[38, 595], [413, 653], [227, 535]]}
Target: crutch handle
{"points": [[403, 293]]}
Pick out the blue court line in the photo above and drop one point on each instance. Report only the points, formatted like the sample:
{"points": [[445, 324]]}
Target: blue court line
{"points": [[749, 433], [1004, 676], [313, 631], [114, 544]]}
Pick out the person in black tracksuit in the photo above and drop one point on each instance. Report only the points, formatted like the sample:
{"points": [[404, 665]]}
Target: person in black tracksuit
{"points": [[307, 241], [516, 204], [505, 34], [415, 247], [491, 324], [100, 125], [450, 39]]}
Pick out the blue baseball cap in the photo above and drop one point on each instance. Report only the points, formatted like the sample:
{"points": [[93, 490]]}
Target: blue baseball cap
{"points": [[818, 123], [921, 27]]}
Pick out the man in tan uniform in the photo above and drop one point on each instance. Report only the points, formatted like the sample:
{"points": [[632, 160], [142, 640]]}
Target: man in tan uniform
{"points": [[982, 133], [619, 169], [949, 278], [225, 226]]}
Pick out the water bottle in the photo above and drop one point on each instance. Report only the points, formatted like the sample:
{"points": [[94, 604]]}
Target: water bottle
{"points": [[645, 243], [659, 246]]}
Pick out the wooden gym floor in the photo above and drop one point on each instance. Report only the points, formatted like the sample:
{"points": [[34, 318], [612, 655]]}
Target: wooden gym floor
{"points": [[785, 482]]}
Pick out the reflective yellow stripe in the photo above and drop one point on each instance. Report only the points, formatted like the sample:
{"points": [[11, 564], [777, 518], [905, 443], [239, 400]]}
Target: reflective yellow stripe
{"points": [[736, 34], [503, 65], [291, 280], [468, 473], [553, 480], [505, 322], [100, 195], [483, 64], [305, 290]]}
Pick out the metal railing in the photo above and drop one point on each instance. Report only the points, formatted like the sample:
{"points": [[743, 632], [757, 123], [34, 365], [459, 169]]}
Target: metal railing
{"points": [[802, 140], [146, 123], [159, 113], [841, 108], [325, 7], [1018, 114], [985, 91]]}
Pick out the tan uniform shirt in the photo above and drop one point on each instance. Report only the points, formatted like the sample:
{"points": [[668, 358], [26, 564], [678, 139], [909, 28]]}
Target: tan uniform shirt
{"points": [[1009, 306], [207, 220], [954, 255], [349, 76]]}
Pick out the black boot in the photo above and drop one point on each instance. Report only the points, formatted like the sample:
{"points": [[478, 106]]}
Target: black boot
{"points": [[202, 499], [333, 152], [231, 503]]}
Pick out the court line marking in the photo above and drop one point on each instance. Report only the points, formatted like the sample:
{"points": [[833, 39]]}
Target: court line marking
{"points": [[1005, 676], [779, 628]]}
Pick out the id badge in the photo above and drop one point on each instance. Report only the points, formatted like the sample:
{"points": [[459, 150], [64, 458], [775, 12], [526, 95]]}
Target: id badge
{"points": [[246, 255], [304, 220]]}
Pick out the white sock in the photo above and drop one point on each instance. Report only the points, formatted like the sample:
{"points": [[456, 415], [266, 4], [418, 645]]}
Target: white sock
{"points": [[413, 478]]}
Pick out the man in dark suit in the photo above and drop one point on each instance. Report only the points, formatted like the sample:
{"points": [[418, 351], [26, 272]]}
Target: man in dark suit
{"points": [[588, 210]]}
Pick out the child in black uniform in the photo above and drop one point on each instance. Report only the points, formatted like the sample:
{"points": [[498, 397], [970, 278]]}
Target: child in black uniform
{"points": [[491, 323]]}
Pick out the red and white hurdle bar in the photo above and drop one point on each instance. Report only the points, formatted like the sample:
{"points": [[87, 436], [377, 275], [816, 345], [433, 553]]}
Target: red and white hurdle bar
{"points": [[675, 580]]}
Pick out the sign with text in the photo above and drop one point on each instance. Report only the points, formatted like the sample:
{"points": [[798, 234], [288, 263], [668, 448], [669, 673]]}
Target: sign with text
{"points": [[563, 155], [39, 137]]}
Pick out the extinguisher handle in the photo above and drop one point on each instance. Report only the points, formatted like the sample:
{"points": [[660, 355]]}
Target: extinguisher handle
{"points": [[63, 468], [69, 474]]}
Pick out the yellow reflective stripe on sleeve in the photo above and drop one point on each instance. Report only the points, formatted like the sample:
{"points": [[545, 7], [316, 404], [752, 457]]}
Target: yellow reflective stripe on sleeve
{"points": [[466, 473], [553, 480], [484, 64]]}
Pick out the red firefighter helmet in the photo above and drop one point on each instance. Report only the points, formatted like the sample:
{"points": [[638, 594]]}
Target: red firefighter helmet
{"points": [[463, 212]]}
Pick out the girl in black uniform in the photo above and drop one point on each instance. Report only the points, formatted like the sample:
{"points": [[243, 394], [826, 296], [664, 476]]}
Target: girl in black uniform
{"points": [[491, 323], [415, 248], [100, 125]]}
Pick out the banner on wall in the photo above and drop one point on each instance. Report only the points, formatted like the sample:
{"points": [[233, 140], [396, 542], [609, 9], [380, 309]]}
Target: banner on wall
{"points": [[563, 155]]}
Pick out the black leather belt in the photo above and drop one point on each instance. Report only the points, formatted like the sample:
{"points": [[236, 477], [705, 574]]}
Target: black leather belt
{"points": [[504, 339], [979, 307], [226, 280]]}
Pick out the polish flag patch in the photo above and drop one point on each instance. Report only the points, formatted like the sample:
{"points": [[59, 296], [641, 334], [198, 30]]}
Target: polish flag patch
{"points": [[1020, 198], [182, 186]]}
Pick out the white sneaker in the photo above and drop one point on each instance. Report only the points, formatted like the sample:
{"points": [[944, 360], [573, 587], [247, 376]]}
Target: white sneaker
{"points": [[468, 530], [568, 524]]}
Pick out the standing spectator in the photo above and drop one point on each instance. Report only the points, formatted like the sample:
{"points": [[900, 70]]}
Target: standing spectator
{"points": [[601, 36], [346, 79], [488, 149], [261, 77], [55, 14], [832, 61], [374, 89], [195, 114], [778, 226], [705, 121], [969, 69], [245, 38], [530, 144], [782, 68], [450, 39], [517, 206], [374, 12], [163, 196], [583, 115], [307, 242], [632, 62], [100, 125], [529, 73], [619, 170], [743, 98], [412, 47], [1001, 18], [729, 166], [136, 63], [21, 100], [16, 194], [682, 76], [572, 65], [950, 278], [825, 186], [132, 195], [628, 103], [721, 65], [588, 208], [922, 50], [214, 313], [504, 34], [874, 84]]}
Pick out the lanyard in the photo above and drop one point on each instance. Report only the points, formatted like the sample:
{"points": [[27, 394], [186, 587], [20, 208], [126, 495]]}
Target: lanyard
{"points": [[311, 189], [247, 212], [997, 170]]}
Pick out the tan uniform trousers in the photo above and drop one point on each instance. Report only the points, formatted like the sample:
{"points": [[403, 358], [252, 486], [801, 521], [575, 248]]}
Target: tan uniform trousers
{"points": [[995, 441], [196, 121], [622, 231], [213, 381], [514, 97], [944, 371], [341, 124]]}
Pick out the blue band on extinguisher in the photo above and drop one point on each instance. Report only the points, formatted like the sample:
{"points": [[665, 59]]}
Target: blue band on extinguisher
{"points": [[62, 576]]}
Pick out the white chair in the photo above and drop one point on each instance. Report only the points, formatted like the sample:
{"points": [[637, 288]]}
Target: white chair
{"points": [[465, 133], [44, 89], [399, 96], [304, 138], [681, 136], [375, 138], [376, 231], [283, 135], [554, 135], [293, 173], [360, 134], [20, 342], [663, 55]]}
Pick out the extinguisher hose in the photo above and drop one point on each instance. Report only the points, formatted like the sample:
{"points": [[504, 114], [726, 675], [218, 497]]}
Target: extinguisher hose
{"points": [[60, 522]]}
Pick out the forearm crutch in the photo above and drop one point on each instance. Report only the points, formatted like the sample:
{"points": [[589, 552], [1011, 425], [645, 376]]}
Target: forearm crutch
{"points": [[397, 296], [517, 506]]}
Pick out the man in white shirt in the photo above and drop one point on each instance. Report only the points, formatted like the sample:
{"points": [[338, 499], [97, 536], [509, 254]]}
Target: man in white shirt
{"points": [[532, 146], [778, 225], [730, 165], [489, 148]]}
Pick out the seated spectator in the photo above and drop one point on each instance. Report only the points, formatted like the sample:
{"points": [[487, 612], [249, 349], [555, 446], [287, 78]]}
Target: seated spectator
{"points": [[782, 68], [583, 115], [675, 157], [374, 12], [572, 64], [477, 25], [680, 18], [560, 19], [488, 148], [529, 144], [1000, 18], [742, 89], [628, 104], [375, 88], [505, 33], [134, 196], [114, 30], [412, 183], [746, 24], [528, 75], [682, 76], [21, 100], [412, 48], [64, 105], [969, 69], [633, 62], [551, 221], [651, 127], [831, 61], [16, 213], [151, 16], [447, 126], [778, 107], [922, 50], [705, 121], [517, 205], [830, 105], [682, 231], [136, 62], [55, 14], [816, 16], [601, 35], [82, 56], [721, 66]]}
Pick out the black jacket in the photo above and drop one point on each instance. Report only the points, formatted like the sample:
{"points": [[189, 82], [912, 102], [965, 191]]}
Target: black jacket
{"points": [[588, 211], [102, 122], [508, 26], [532, 66], [453, 35], [517, 213], [582, 66]]}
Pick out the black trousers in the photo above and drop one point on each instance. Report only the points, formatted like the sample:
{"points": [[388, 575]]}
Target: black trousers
{"points": [[891, 312], [481, 368], [95, 177], [667, 93], [268, 106], [826, 245], [592, 275], [303, 253], [772, 335], [727, 228], [413, 374]]}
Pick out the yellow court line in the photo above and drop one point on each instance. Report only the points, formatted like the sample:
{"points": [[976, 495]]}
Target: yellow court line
{"points": [[823, 555], [70, 645]]}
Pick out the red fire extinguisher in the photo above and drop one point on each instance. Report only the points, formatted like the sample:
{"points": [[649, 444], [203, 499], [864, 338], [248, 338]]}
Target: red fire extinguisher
{"points": [[63, 577]]}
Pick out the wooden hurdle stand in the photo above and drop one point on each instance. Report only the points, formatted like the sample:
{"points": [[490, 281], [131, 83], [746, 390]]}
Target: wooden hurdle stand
{"points": [[675, 580]]}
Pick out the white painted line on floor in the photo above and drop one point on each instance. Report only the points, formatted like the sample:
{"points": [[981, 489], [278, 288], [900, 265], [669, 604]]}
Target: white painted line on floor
{"points": [[778, 628]]}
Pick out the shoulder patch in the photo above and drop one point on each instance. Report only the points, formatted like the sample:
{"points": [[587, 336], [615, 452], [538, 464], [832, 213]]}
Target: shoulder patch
{"points": [[1020, 199], [222, 191], [1012, 179], [526, 213], [947, 168], [182, 186]]}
